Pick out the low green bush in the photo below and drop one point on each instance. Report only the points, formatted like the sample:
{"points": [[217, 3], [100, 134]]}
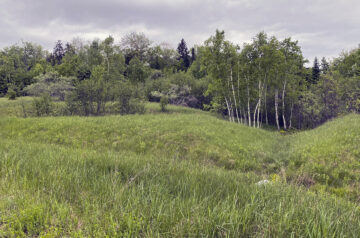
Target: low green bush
{"points": [[164, 101], [11, 94], [43, 106]]}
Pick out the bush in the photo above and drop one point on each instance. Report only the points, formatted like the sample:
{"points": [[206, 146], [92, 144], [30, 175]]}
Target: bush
{"points": [[73, 105], [43, 106], [129, 100], [90, 95], [137, 106], [11, 94], [154, 88], [164, 101], [50, 83]]}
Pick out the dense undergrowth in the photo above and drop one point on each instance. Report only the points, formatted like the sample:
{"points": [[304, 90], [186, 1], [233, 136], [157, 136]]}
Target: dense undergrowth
{"points": [[180, 173]]}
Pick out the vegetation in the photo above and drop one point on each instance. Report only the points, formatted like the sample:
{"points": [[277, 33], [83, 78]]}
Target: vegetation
{"points": [[11, 94], [164, 101], [264, 82], [76, 162], [184, 173]]}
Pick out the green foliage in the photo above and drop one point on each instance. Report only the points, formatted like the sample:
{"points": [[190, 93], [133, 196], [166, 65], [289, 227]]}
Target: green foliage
{"points": [[52, 84], [135, 45], [263, 83], [164, 101], [129, 99], [17, 65], [137, 72], [43, 106], [348, 63], [11, 94]]}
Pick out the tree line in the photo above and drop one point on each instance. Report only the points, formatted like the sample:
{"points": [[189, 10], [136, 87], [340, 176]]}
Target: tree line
{"points": [[264, 82]]}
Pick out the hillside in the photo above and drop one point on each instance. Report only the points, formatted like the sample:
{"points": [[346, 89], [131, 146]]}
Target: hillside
{"points": [[181, 173]]}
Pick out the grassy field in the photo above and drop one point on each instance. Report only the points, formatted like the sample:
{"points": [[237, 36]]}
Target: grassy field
{"points": [[184, 173]]}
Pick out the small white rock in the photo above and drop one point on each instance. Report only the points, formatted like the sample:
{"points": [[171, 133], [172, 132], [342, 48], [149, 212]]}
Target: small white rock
{"points": [[262, 182]]}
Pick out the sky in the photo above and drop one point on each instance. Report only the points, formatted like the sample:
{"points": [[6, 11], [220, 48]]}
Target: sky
{"points": [[324, 28]]}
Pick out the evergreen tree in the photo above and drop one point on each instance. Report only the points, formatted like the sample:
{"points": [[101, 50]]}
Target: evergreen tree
{"points": [[193, 55], [324, 66], [58, 52], [184, 58], [315, 71]]}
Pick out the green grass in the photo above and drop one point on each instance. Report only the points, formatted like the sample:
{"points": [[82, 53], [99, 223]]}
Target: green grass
{"points": [[184, 173], [15, 108]]}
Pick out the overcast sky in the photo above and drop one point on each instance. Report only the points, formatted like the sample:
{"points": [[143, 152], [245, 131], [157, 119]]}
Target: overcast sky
{"points": [[322, 27]]}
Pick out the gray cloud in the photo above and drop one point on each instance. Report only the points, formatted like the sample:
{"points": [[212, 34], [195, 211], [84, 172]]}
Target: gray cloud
{"points": [[323, 28]]}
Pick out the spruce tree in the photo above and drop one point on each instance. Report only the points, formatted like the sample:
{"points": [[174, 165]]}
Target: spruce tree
{"points": [[315, 71], [58, 52], [184, 58]]}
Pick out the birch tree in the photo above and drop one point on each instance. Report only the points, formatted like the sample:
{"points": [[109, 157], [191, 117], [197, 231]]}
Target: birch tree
{"points": [[220, 58], [293, 62]]}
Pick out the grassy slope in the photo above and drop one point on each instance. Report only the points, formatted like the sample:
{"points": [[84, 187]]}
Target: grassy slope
{"points": [[174, 174], [330, 155]]}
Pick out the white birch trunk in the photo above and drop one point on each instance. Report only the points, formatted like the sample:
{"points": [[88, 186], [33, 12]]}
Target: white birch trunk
{"points": [[248, 102], [283, 105], [266, 114], [259, 105], [291, 114], [276, 109], [228, 108], [240, 113], [255, 112], [233, 91]]}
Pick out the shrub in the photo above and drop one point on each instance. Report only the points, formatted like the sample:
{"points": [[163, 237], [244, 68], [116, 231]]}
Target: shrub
{"points": [[90, 95], [164, 101], [11, 94], [137, 106], [50, 83], [129, 99], [73, 105], [43, 106]]}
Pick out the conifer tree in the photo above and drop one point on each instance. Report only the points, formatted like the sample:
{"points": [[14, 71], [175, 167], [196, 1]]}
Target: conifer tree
{"points": [[184, 57], [315, 71], [58, 52]]}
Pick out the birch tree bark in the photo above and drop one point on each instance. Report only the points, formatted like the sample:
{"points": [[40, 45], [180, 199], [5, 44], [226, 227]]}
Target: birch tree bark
{"points": [[283, 106], [276, 108], [233, 92]]}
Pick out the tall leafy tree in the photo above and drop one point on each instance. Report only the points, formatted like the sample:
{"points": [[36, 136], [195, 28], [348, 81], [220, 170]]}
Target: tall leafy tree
{"points": [[94, 56], [193, 55], [137, 72], [69, 49], [293, 67], [220, 60], [135, 44], [18, 66], [325, 66], [113, 59], [348, 64]]}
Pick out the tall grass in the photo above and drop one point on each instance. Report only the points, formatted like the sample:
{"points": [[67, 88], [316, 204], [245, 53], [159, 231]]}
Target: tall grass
{"points": [[183, 173], [58, 191]]}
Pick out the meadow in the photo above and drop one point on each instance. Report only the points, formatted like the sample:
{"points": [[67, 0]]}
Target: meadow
{"points": [[183, 173]]}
